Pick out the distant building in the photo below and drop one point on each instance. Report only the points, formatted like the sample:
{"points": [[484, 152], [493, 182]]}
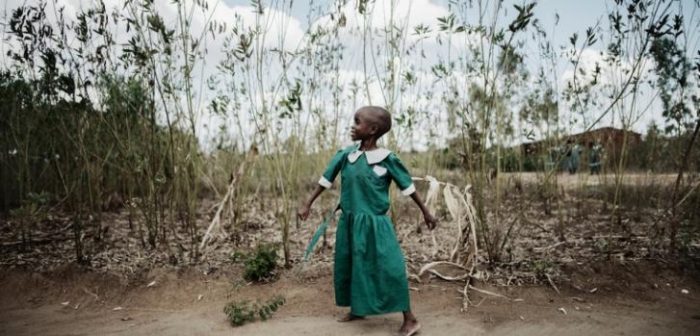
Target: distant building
{"points": [[610, 138]]}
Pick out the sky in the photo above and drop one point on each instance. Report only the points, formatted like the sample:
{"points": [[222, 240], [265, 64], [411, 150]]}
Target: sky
{"points": [[573, 14], [559, 18]]}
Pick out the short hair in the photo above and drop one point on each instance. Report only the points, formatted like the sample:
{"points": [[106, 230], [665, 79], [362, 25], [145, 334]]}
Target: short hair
{"points": [[381, 117]]}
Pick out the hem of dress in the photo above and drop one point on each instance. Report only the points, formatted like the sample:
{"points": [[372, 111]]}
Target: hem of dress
{"points": [[387, 311]]}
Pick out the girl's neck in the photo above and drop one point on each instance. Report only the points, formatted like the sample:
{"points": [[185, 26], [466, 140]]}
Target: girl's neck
{"points": [[368, 144]]}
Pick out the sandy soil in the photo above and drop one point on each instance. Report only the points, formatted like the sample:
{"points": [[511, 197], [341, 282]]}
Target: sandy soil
{"points": [[33, 304]]}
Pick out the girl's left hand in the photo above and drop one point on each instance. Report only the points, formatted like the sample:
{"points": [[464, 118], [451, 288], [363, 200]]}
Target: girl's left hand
{"points": [[303, 212]]}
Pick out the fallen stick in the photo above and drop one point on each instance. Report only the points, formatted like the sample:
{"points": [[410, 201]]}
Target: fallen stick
{"points": [[551, 282], [429, 266], [466, 301], [480, 302], [465, 294], [449, 278], [217, 217], [97, 298]]}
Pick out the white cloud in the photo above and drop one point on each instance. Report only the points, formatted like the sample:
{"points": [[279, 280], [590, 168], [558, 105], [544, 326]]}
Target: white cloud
{"points": [[281, 31], [637, 110], [370, 33], [361, 51]]}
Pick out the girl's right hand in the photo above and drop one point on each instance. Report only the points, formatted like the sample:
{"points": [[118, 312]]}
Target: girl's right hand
{"points": [[430, 221], [303, 212]]}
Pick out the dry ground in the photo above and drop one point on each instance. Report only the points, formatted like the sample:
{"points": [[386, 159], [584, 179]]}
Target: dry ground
{"points": [[75, 302], [611, 278]]}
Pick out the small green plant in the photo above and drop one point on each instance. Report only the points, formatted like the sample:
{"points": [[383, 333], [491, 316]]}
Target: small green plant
{"points": [[237, 256], [33, 210], [602, 246], [240, 313], [270, 307], [260, 266], [541, 267]]}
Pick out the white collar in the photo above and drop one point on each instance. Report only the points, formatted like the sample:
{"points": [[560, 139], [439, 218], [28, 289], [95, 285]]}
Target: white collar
{"points": [[373, 157]]}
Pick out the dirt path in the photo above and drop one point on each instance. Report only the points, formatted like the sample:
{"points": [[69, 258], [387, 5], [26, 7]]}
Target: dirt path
{"points": [[208, 321], [32, 305]]}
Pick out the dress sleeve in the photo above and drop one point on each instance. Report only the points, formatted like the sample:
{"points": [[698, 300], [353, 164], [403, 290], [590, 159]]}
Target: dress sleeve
{"points": [[333, 169], [400, 174]]}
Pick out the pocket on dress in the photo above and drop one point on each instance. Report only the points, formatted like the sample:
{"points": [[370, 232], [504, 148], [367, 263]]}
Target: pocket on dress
{"points": [[379, 171]]}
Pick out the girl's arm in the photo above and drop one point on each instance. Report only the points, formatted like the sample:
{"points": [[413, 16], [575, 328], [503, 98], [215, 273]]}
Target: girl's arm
{"points": [[430, 221], [325, 182], [404, 181], [303, 212]]}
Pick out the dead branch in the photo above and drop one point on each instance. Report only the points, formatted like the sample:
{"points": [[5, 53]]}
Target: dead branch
{"points": [[465, 293], [215, 222], [551, 282], [471, 215]]}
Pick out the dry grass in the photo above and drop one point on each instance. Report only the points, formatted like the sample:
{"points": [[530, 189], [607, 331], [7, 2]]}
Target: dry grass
{"points": [[531, 246]]}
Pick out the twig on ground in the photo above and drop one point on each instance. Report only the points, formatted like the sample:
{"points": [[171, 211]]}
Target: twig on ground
{"points": [[429, 268], [466, 301], [91, 293], [551, 282], [227, 197]]}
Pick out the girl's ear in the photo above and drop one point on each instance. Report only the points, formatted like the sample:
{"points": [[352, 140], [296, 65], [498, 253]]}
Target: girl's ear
{"points": [[374, 129]]}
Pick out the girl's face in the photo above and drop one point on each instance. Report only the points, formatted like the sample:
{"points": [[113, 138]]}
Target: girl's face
{"points": [[363, 128]]}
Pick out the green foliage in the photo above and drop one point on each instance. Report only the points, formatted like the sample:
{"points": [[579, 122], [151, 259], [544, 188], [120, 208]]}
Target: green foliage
{"points": [[660, 153], [84, 125], [672, 69], [541, 267], [239, 313], [242, 312], [261, 265], [32, 211], [237, 256], [32, 207]]}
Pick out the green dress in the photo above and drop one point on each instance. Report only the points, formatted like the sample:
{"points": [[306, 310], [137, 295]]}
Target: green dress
{"points": [[369, 273]]}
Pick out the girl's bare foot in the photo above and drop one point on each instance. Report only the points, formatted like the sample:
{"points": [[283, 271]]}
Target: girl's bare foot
{"points": [[410, 325], [350, 317]]}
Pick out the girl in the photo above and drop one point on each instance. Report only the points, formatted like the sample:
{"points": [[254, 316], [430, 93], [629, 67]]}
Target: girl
{"points": [[369, 274]]}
